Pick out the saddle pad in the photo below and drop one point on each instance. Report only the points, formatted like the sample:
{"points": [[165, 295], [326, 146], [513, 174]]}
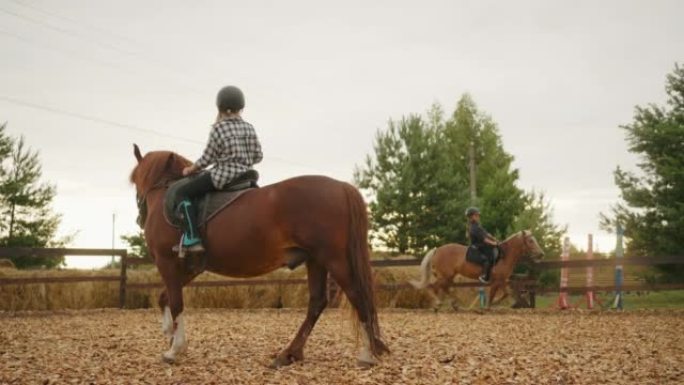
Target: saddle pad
{"points": [[207, 206]]}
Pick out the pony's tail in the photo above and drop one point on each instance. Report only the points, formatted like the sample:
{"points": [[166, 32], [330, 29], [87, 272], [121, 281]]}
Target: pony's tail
{"points": [[425, 270], [362, 284]]}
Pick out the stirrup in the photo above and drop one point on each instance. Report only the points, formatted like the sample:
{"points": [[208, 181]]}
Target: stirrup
{"points": [[483, 279]]}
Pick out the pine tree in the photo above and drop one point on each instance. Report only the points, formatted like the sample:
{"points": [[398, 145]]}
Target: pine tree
{"points": [[27, 219], [651, 211], [418, 179], [497, 194], [396, 179]]}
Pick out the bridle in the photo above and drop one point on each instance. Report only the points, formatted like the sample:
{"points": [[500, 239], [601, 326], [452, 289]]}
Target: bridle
{"points": [[527, 251], [141, 200]]}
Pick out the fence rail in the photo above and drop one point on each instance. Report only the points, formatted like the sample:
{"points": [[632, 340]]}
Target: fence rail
{"points": [[612, 262], [519, 285]]}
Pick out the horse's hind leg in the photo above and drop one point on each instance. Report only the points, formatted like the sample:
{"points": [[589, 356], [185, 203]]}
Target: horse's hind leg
{"points": [[366, 357], [441, 289], [317, 276]]}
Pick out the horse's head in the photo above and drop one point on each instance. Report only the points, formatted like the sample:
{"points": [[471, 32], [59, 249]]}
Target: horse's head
{"points": [[156, 168], [530, 247]]}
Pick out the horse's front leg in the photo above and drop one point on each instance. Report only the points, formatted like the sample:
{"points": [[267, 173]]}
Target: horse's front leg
{"points": [[173, 324], [504, 295], [493, 289], [167, 319]]}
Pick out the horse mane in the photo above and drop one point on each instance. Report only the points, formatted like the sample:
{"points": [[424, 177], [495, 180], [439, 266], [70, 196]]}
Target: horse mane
{"points": [[157, 166], [514, 235], [505, 244]]}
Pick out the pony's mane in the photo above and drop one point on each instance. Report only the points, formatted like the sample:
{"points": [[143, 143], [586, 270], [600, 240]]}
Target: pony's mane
{"points": [[157, 166], [513, 236]]}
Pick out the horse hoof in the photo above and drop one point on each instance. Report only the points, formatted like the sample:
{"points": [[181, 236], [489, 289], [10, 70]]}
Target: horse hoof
{"points": [[168, 359], [279, 362], [282, 360], [362, 364]]}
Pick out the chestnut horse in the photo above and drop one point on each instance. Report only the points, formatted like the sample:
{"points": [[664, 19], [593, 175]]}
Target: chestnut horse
{"points": [[447, 261], [310, 219]]}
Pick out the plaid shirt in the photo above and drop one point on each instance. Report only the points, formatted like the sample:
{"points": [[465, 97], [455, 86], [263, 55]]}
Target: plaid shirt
{"points": [[233, 148]]}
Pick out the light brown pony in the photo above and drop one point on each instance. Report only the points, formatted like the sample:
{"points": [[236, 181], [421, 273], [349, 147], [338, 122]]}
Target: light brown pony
{"points": [[311, 219], [448, 261]]}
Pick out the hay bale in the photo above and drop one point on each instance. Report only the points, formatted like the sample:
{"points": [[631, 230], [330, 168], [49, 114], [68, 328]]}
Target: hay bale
{"points": [[6, 264]]}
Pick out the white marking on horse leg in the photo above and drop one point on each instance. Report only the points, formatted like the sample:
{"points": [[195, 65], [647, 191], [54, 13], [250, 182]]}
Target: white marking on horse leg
{"points": [[167, 322], [365, 355], [179, 344]]}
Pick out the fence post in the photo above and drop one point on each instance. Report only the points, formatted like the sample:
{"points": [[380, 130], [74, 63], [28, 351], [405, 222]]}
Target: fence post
{"points": [[563, 295], [619, 277], [590, 273], [122, 281]]}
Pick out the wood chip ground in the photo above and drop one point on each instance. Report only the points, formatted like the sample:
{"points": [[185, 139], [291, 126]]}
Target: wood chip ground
{"points": [[235, 347]]}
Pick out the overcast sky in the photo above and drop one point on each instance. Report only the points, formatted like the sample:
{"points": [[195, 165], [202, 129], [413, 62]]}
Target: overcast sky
{"points": [[320, 79]]}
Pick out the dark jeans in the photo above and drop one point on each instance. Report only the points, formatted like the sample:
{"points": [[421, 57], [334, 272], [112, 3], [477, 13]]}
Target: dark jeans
{"points": [[195, 186]]}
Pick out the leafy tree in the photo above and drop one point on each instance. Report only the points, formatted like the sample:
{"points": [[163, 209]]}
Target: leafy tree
{"points": [[28, 220], [136, 244], [652, 208], [137, 247], [537, 217]]}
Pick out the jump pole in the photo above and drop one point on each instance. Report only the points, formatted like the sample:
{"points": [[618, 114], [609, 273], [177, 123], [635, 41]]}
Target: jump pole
{"points": [[483, 298], [590, 273], [619, 274], [563, 295]]}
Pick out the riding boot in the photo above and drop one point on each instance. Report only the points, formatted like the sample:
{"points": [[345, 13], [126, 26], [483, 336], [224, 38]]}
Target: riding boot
{"points": [[486, 270], [191, 238]]}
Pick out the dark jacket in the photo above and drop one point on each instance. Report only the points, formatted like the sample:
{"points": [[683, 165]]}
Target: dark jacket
{"points": [[477, 239]]}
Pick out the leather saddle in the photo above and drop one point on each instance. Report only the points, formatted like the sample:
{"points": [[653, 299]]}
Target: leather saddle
{"points": [[474, 255], [212, 203]]}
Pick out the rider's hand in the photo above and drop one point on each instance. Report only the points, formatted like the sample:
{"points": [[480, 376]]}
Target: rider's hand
{"points": [[189, 170]]}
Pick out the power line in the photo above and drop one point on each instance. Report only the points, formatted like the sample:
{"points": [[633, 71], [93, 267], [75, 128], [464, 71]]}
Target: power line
{"points": [[127, 126], [86, 38], [64, 31], [76, 22], [76, 54], [95, 119], [66, 52]]}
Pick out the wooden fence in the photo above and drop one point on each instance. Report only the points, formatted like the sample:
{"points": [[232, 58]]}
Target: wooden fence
{"points": [[528, 286]]}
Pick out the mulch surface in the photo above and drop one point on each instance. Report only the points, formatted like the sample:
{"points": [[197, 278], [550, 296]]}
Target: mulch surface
{"points": [[235, 347]]}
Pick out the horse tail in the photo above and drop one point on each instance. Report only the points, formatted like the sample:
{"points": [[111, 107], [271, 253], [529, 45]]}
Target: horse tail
{"points": [[425, 270], [362, 284]]}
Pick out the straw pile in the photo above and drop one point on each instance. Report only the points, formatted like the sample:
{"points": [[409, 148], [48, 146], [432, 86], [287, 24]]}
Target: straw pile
{"points": [[95, 295]]}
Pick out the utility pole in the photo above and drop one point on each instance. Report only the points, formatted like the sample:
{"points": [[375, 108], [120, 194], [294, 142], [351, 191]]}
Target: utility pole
{"points": [[473, 176], [113, 235], [472, 167]]}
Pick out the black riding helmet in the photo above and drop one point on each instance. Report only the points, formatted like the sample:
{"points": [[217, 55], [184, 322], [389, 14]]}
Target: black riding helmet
{"points": [[472, 211], [230, 98]]}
